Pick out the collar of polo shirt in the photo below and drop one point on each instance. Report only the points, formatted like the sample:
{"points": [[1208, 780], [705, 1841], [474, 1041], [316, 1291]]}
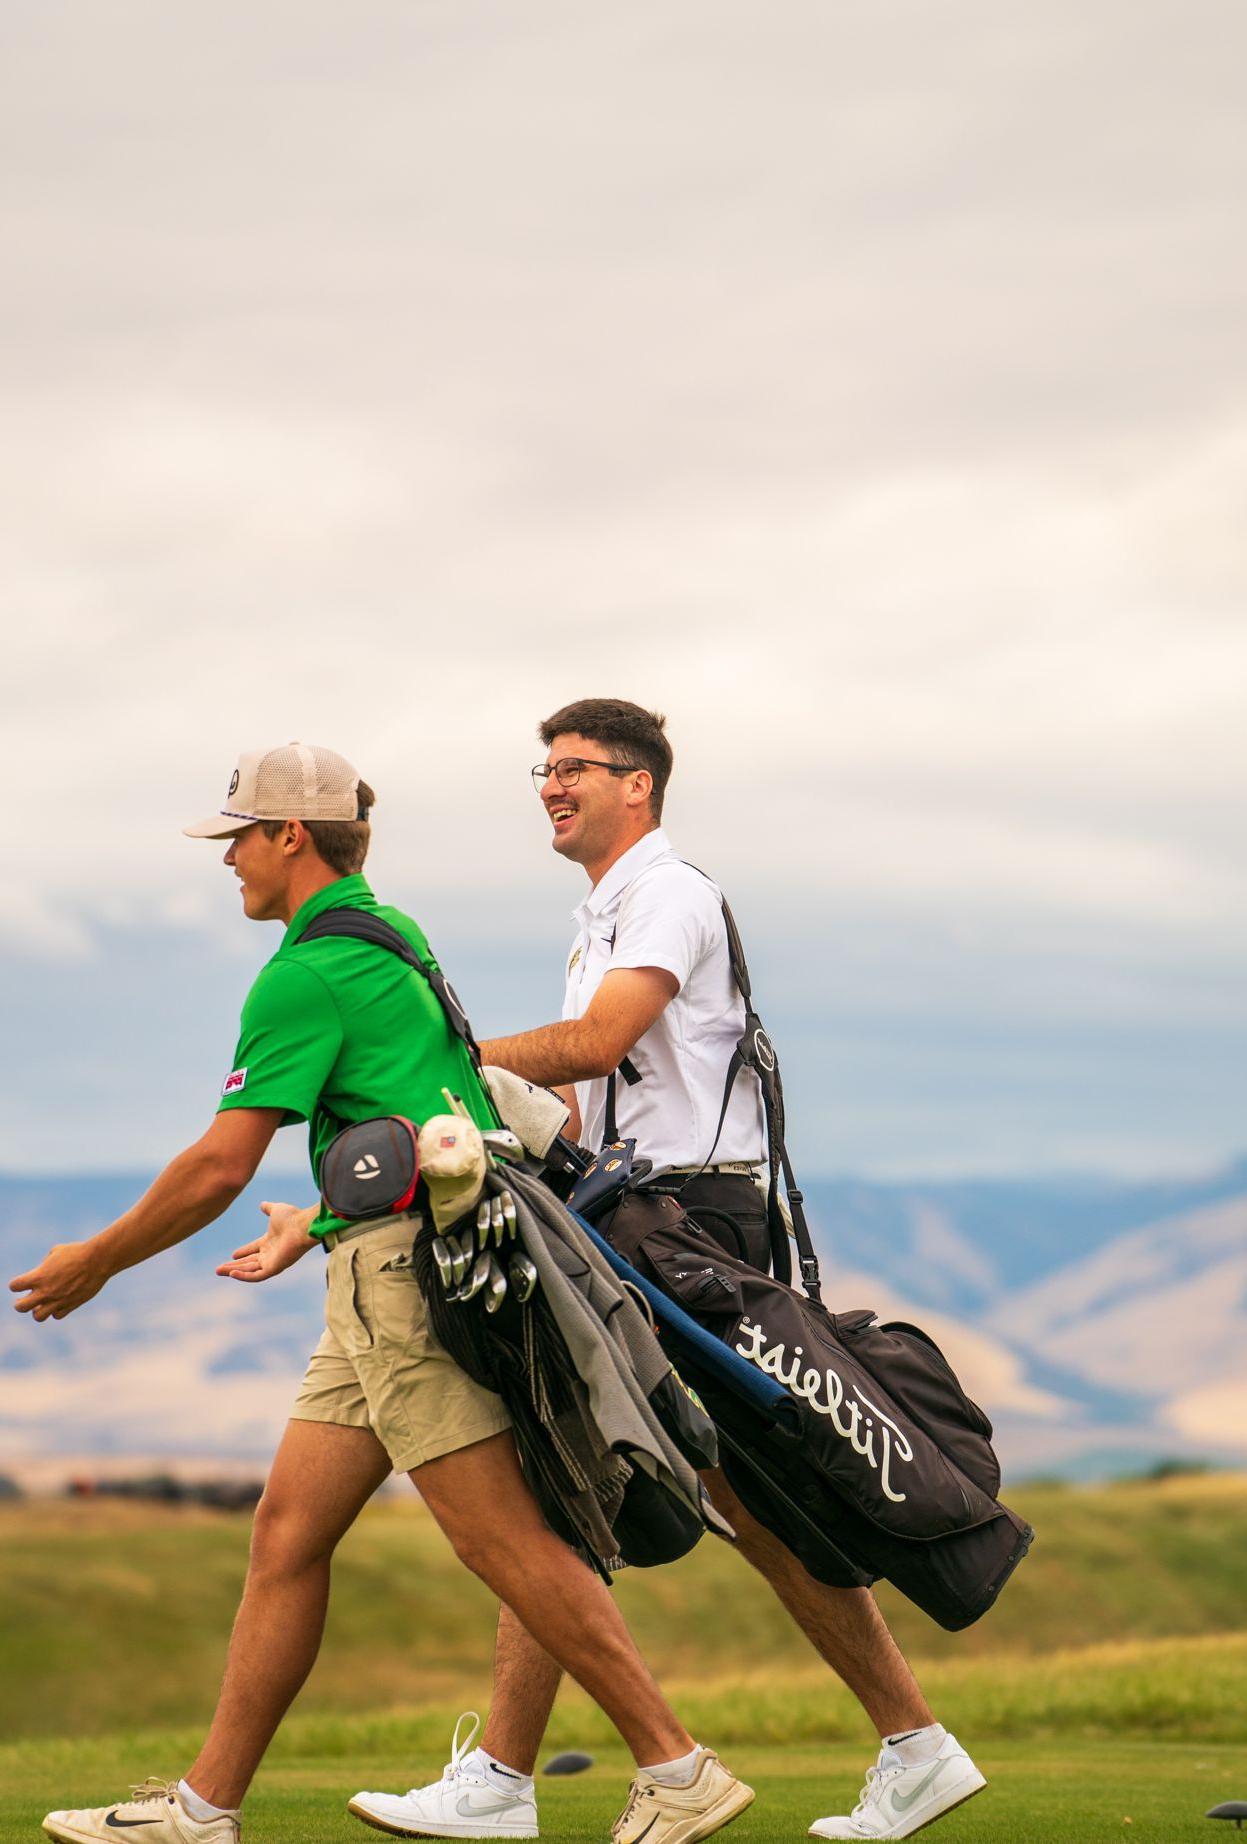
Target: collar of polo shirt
{"points": [[637, 858]]}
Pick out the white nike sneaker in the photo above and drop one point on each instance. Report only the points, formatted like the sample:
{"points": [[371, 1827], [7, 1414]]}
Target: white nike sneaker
{"points": [[155, 1807], [462, 1804], [682, 1814], [897, 1800]]}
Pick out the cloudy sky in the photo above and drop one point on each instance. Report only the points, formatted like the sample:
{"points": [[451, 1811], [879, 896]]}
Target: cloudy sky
{"points": [[863, 386]]}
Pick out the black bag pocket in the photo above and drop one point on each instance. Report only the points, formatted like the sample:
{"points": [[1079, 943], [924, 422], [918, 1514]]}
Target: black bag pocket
{"points": [[911, 1366], [657, 1236]]}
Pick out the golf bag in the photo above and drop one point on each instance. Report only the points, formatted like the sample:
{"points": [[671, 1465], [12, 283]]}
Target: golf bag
{"points": [[609, 1440], [877, 1464]]}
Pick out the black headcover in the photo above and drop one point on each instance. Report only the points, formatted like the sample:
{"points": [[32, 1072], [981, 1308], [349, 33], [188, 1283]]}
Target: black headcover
{"points": [[371, 1169]]}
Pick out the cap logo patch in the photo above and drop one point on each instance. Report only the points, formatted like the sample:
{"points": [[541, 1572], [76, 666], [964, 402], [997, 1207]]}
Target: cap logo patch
{"points": [[367, 1167], [236, 1079], [233, 785]]}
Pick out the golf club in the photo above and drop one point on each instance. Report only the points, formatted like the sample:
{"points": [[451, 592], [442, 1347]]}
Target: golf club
{"points": [[523, 1276], [495, 1286]]}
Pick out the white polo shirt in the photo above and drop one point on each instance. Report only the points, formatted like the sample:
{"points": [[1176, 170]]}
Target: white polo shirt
{"points": [[662, 913]]}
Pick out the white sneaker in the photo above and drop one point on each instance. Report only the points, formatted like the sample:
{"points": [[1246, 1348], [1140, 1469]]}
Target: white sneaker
{"points": [[682, 1814], [462, 1804], [155, 1807], [897, 1800]]}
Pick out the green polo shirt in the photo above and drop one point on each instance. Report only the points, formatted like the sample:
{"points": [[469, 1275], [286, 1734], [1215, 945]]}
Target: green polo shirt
{"points": [[335, 1031]]}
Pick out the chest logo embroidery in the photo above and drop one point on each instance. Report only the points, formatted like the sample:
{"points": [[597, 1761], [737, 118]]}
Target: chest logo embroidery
{"points": [[571, 965]]}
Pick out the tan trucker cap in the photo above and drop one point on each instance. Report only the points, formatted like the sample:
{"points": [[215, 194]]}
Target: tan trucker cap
{"points": [[298, 781]]}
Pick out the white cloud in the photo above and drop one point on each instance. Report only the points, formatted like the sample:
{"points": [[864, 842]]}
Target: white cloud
{"points": [[867, 390]]}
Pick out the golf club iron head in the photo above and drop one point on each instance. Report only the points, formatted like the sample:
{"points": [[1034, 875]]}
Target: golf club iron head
{"points": [[459, 1258], [495, 1287], [523, 1278], [510, 1218], [445, 1267], [476, 1280]]}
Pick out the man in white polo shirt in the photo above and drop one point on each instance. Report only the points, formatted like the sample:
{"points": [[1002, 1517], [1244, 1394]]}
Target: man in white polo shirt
{"points": [[654, 915], [650, 988]]}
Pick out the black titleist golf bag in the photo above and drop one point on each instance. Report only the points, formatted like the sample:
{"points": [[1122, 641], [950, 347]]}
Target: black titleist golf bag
{"points": [[874, 1463]]}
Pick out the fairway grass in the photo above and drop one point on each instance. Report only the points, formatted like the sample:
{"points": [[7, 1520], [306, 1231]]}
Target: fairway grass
{"points": [[1128, 1741], [1105, 1698], [1049, 1792]]}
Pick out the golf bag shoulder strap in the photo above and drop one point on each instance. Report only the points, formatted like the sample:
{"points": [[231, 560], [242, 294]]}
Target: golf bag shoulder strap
{"points": [[755, 1052], [362, 925], [625, 1068]]}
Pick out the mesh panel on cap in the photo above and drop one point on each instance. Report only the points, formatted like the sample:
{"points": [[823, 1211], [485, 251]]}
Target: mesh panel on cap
{"points": [[302, 782]]}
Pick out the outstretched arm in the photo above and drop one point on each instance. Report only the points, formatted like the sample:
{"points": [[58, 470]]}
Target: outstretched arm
{"points": [[193, 1190], [623, 1008], [285, 1241]]}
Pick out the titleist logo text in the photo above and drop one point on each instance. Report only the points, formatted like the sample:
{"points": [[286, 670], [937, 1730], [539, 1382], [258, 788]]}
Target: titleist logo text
{"points": [[855, 1418]]}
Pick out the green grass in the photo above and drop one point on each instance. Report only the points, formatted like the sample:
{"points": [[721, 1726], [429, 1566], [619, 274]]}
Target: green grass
{"points": [[1039, 1792], [112, 1612], [1105, 1698]]}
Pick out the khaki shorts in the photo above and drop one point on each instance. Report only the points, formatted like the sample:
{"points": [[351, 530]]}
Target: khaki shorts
{"points": [[378, 1364]]}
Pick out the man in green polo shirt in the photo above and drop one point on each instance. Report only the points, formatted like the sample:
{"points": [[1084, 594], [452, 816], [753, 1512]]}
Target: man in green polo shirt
{"points": [[334, 1031]]}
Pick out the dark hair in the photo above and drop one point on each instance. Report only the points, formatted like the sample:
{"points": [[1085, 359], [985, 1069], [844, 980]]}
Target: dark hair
{"points": [[626, 732], [343, 844]]}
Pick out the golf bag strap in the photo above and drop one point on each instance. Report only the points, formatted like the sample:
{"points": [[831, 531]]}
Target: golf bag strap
{"points": [[362, 925], [631, 1075], [756, 1052]]}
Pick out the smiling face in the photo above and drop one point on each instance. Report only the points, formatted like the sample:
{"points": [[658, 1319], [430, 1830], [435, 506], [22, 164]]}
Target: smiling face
{"points": [[263, 867], [597, 820]]}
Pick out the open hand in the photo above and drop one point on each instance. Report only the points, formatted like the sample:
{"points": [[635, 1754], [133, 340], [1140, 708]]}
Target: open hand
{"points": [[69, 1275], [281, 1245]]}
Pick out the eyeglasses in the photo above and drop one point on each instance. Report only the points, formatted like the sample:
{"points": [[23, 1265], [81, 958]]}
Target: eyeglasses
{"points": [[567, 771]]}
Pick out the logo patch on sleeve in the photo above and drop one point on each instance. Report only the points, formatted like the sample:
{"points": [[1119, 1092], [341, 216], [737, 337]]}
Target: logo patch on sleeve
{"points": [[236, 1079]]}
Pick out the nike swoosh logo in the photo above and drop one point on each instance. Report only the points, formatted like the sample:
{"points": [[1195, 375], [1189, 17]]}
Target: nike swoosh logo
{"points": [[465, 1808], [647, 1830], [903, 1801], [128, 1824]]}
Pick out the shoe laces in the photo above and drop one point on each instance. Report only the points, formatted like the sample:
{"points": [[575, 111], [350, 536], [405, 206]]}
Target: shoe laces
{"points": [[152, 1788], [636, 1793], [866, 1796], [459, 1750]]}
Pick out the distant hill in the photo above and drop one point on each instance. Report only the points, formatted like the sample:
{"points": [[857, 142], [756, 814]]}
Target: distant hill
{"points": [[155, 1590], [1102, 1325], [962, 1243]]}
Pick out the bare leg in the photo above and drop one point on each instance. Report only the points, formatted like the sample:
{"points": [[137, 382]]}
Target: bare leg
{"points": [[484, 1504], [843, 1625], [526, 1682], [322, 1478]]}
